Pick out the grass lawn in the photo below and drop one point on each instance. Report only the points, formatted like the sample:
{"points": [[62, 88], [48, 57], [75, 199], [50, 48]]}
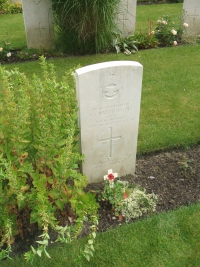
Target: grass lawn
{"points": [[170, 117], [147, 13], [12, 30], [164, 240]]}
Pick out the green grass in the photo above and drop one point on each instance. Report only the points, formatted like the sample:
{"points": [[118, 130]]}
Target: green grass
{"points": [[164, 240], [12, 30], [147, 13], [169, 118]]}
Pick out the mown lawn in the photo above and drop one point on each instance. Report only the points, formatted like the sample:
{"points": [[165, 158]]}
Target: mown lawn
{"points": [[164, 240]]}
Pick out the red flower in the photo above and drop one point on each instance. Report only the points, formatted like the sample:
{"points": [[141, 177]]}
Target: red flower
{"points": [[125, 195], [111, 177]]}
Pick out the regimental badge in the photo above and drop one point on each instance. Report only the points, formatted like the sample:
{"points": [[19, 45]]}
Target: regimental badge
{"points": [[112, 88]]}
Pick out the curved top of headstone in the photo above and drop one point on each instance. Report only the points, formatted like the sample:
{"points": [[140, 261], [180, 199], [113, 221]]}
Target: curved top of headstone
{"points": [[108, 64]]}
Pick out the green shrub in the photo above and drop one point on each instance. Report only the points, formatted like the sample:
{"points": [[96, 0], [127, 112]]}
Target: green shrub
{"points": [[146, 40], [85, 26], [133, 43], [38, 161], [127, 201], [14, 8], [5, 51], [169, 31], [33, 53], [3, 5], [127, 45], [10, 8], [137, 203]]}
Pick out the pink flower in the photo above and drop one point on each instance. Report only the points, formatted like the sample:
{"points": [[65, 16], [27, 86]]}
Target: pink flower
{"points": [[26, 53], [34, 55]]}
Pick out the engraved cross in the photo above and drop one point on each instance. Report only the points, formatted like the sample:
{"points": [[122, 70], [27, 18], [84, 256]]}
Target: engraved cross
{"points": [[40, 29], [110, 140], [194, 16], [125, 12], [124, 19]]}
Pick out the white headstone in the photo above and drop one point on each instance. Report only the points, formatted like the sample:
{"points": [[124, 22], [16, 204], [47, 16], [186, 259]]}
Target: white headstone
{"points": [[127, 17], [192, 17], [38, 21], [109, 105]]}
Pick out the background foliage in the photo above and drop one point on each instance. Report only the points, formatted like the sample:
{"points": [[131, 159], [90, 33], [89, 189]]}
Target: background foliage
{"points": [[10, 8], [85, 26]]}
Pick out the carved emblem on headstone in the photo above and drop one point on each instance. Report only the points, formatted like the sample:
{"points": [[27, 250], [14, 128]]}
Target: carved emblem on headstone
{"points": [[37, 2], [112, 88]]}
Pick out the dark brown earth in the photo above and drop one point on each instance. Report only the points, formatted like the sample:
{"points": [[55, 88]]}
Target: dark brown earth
{"points": [[174, 176]]}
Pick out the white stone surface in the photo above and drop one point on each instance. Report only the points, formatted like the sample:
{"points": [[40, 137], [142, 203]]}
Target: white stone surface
{"points": [[38, 21], [192, 17], [109, 104], [127, 17]]}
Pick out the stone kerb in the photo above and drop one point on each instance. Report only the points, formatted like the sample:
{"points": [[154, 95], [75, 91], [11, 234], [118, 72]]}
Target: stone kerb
{"points": [[192, 17], [38, 21], [109, 104]]}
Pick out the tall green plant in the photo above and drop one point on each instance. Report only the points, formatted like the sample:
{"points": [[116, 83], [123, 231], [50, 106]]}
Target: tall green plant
{"points": [[38, 161], [85, 26]]}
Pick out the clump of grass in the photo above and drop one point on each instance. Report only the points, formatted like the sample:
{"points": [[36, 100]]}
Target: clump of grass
{"points": [[85, 26]]}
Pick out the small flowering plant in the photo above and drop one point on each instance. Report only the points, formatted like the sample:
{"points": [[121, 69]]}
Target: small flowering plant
{"points": [[28, 54], [5, 51], [169, 31], [126, 200], [114, 190]]}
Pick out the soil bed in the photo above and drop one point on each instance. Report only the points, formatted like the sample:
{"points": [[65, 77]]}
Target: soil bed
{"points": [[174, 176]]}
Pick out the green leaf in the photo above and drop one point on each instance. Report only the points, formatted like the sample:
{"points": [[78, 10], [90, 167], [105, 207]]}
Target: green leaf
{"points": [[34, 251], [94, 234], [43, 242], [117, 48], [60, 204], [90, 241], [92, 247], [39, 252], [87, 257], [47, 254]]}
